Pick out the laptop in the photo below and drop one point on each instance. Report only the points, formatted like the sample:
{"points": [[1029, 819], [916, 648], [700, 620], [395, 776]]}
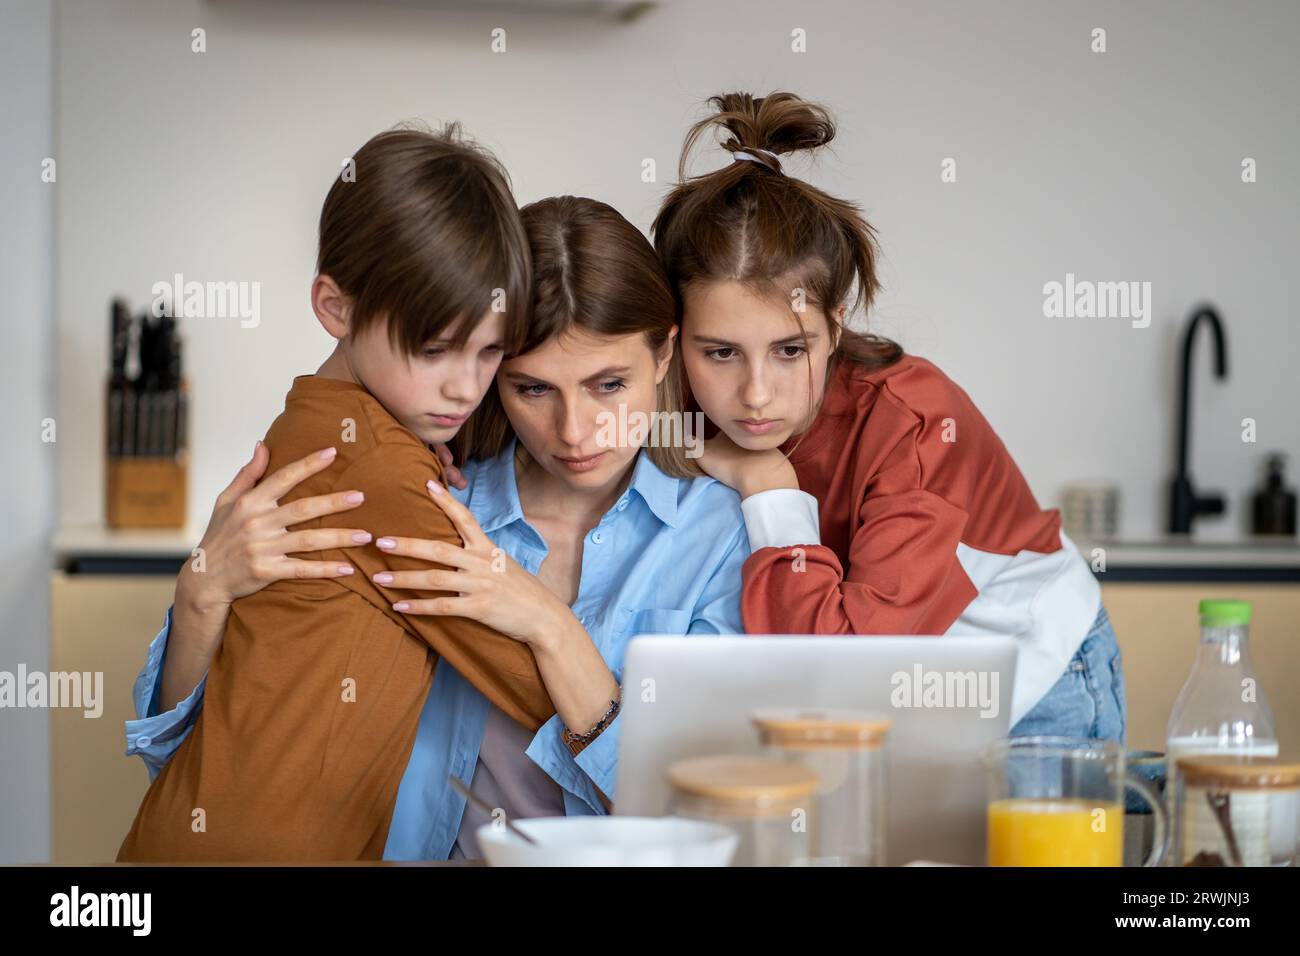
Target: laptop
{"points": [[948, 698]]}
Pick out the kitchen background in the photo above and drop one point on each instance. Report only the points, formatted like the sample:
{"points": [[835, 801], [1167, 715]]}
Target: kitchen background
{"points": [[1122, 166]]}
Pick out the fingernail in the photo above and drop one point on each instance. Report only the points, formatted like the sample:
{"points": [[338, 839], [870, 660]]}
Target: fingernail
{"points": [[383, 577], [345, 569], [354, 497], [385, 543], [329, 452], [401, 606], [434, 487], [361, 537]]}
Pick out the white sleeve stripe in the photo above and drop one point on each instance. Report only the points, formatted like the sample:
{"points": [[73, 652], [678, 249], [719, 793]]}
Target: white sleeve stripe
{"points": [[780, 518]]}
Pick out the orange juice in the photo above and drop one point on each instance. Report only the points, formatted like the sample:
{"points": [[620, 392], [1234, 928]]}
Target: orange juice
{"points": [[1042, 831]]}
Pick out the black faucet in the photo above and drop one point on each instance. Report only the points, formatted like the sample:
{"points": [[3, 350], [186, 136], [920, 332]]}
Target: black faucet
{"points": [[1184, 503]]}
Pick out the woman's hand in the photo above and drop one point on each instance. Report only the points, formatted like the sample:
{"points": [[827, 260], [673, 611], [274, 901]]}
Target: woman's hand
{"points": [[493, 589], [490, 585], [749, 472], [246, 547]]}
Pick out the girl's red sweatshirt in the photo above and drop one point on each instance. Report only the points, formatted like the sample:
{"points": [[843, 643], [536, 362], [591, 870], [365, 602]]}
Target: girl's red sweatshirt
{"points": [[912, 518]]}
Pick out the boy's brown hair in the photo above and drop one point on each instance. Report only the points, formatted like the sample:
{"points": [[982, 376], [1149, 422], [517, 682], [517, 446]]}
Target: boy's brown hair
{"points": [[426, 234], [593, 271]]}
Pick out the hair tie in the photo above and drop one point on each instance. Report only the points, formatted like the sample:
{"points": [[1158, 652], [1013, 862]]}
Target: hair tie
{"points": [[740, 154]]}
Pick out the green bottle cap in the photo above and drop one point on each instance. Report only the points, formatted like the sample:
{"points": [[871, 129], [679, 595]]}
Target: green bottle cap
{"points": [[1225, 613]]}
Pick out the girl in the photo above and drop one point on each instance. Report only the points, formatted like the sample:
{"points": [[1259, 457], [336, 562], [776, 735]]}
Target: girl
{"points": [[877, 498], [557, 524]]}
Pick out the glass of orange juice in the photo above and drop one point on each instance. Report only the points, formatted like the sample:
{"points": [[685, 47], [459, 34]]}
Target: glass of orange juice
{"points": [[1059, 801]]}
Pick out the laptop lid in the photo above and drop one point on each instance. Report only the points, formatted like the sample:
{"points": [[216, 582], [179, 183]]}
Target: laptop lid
{"points": [[948, 698]]}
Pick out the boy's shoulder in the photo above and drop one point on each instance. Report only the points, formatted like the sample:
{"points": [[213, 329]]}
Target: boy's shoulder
{"points": [[320, 413]]}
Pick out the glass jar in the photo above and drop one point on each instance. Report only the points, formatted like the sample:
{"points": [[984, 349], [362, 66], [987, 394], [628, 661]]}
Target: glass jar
{"points": [[1222, 709], [846, 749], [1237, 811], [769, 803]]}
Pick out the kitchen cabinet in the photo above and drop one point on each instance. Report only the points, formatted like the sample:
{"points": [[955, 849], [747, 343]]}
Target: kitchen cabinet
{"points": [[1158, 629], [99, 623]]}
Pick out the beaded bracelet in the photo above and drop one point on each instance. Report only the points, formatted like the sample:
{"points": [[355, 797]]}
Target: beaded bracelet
{"points": [[571, 737]]}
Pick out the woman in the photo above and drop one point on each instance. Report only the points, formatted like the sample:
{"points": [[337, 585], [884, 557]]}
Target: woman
{"points": [[553, 516]]}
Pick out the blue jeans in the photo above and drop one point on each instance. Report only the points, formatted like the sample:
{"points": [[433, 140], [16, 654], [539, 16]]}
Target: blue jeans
{"points": [[1088, 700]]}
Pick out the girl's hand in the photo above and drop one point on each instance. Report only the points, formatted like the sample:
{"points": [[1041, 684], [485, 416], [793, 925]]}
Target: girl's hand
{"points": [[749, 472], [247, 542], [449, 469], [490, 586]]}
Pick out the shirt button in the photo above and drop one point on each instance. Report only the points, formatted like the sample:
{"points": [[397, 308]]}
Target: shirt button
{"points": [[597, 537], [622, 504], [144, 741]]}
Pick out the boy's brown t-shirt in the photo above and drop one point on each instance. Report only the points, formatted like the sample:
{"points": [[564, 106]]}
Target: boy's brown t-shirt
{"points": [[313, 700]]}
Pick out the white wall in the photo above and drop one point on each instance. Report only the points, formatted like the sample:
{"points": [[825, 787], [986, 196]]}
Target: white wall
{"points": [[27, 504], [1114, 167], [1119, 166]]}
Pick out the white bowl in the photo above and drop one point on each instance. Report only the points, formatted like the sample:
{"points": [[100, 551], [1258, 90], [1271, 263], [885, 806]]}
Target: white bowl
{"points": [[609, 841]]}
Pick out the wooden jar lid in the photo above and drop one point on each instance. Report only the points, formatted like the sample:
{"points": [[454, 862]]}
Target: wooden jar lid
{"points": [[745, 786], [810, 729], [1238, 772]]}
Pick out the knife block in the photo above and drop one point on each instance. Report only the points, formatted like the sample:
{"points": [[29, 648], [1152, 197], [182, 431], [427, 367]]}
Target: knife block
{"points": [[147, 492]]}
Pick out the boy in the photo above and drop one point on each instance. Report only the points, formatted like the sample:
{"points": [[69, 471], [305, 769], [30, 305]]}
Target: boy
{"points": [[313, 700]]}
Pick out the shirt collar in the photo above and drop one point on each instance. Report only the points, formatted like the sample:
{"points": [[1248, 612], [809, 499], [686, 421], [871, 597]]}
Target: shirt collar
{"points": [[494, 497], [657, 489]]}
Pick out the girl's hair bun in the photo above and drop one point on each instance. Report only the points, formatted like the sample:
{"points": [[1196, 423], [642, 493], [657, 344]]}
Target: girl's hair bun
{"points": [[778, 123]]}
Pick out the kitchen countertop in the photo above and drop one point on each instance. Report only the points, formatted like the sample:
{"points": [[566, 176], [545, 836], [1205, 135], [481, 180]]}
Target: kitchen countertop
{"points": [[1189, 559], [94, 549]]}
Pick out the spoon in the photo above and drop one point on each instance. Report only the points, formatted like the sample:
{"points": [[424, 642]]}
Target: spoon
{"points": [[482, 804]]}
